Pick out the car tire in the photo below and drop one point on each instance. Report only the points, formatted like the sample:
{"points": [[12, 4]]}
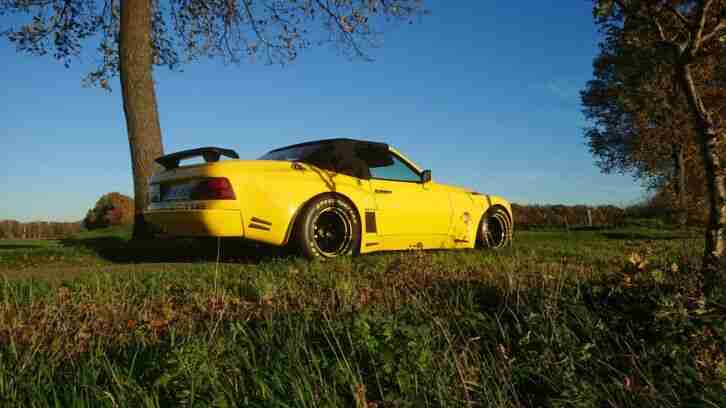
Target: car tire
{"points": [[328, 227], [495, 229]]}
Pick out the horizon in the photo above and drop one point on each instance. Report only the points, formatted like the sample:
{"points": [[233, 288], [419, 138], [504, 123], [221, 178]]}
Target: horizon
{"points": [[486, 96]]}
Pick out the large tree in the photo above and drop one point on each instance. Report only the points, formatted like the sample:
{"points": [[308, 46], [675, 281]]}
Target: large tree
{"points": [[687, 31], [132, 36], [640, 121]]}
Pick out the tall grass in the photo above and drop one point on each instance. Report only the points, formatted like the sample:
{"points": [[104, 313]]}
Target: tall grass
{"points": [[510, 329]]}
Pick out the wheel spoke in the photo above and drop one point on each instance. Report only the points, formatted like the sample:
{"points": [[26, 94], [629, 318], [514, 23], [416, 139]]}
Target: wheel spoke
{"points": [[332, 232], [495, 230]]}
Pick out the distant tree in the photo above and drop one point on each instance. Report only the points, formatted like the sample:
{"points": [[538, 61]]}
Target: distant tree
{"points": [[32, 230], [13, 229], [687, 31], [6, 229], [66, 229], [18, 229], [562, 216], [133, 35], [111, 209]]}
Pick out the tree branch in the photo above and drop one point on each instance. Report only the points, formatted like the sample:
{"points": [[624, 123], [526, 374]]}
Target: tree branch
{"points": [[344, 30], [664, 40], [253, 23], [621, 4], [702, 14], [659, 27], [678, 15], [624, 9], [715, 32]]}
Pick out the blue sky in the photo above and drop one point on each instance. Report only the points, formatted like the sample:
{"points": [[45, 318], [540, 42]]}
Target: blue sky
{"points": [[483, 93]]}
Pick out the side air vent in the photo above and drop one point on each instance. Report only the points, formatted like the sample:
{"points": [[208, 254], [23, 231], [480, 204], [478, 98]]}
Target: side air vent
{"points": [[371, 222], [260, 224]]}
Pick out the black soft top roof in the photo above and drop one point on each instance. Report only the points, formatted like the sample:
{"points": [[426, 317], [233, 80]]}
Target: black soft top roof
{"points": [[341, 140]]}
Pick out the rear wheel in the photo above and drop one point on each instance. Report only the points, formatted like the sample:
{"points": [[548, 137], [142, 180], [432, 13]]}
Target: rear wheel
{"points": [[495, 229], [328, 227]]}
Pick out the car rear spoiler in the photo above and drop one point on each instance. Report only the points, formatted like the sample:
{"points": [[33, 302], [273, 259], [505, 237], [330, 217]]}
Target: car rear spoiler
{"points": [[210, 154]]}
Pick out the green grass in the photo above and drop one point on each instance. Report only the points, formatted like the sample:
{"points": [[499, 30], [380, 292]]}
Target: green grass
{"points": [[578, 318]]}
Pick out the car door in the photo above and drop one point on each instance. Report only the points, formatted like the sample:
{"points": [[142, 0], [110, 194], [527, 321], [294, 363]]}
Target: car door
{"points": [[410, 213]]}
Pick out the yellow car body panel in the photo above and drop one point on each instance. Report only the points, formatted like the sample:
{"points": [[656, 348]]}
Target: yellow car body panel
{"points": [[269, 195], [200, 223]]}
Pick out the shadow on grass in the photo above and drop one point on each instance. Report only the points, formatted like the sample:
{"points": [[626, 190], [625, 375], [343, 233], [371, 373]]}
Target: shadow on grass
{"points": [[21, 246], [601, 313], [636, 236], [168, 250], [594, 228]]}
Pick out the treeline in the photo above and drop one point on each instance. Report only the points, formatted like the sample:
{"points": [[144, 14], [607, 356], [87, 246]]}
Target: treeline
{"points": [[564, 216], [110, 210], [11, 229]]}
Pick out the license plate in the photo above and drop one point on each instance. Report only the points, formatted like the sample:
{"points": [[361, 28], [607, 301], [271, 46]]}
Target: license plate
{"points": [[178, 192], [154, 193]]}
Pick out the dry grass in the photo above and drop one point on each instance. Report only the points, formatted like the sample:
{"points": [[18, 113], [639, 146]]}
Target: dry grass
{"points": [[561, 319]]}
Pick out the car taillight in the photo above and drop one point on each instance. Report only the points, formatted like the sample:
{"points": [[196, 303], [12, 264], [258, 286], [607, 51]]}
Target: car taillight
{"points": [[217, 188]]}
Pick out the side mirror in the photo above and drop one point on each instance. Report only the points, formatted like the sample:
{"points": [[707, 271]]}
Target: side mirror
{"points": [[426, 176]]}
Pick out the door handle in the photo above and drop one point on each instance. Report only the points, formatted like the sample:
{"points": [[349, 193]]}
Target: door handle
{"points": [[383, 191]]}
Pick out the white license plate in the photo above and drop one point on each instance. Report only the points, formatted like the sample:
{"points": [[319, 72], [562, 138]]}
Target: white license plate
{"points": [[154, 193], [178, 192]]}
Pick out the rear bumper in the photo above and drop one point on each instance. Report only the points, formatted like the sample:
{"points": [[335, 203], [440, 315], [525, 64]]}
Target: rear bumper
{"points": [[215, 223]]}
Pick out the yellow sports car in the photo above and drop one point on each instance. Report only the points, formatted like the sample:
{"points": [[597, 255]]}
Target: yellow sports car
{"points": [[328, 197]]}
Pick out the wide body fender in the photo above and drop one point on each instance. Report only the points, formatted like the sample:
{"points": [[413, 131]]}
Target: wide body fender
{"points": [[272, 200], [484, 203]]}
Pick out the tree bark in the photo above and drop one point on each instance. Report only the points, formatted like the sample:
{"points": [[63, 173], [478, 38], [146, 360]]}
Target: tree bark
{"points": [[139, 99], [710, 140], [680, 176]]}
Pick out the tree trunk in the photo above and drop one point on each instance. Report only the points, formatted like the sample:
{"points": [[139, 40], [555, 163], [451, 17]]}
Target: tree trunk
{"points": [[140, 109], [680, 176], [710, 141]]}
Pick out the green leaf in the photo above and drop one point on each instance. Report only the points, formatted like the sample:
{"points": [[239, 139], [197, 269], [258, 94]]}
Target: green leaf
{"points": [[657, 275], [604, 8]]}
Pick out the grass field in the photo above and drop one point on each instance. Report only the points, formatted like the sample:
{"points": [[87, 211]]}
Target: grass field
{"points": [[579, 318]]}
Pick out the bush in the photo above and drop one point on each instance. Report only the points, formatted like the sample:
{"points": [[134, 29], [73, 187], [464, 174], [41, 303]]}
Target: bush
{"points": [[663, 205], [111, 209]]}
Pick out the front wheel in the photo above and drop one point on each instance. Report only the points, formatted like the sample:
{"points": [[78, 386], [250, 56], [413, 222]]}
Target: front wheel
{"points": [[495, 229], [328, 227]]}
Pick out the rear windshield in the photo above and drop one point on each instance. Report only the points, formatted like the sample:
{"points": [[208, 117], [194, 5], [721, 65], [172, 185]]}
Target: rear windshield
{"points": [[299, 153], [337, 157]]}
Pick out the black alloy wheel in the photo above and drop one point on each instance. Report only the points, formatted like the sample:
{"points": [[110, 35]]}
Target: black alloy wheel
{"points": [[328, 227], [495, 229]]}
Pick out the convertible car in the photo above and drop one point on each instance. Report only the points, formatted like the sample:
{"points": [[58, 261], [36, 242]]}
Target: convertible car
{"points": [[328, 198]]}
